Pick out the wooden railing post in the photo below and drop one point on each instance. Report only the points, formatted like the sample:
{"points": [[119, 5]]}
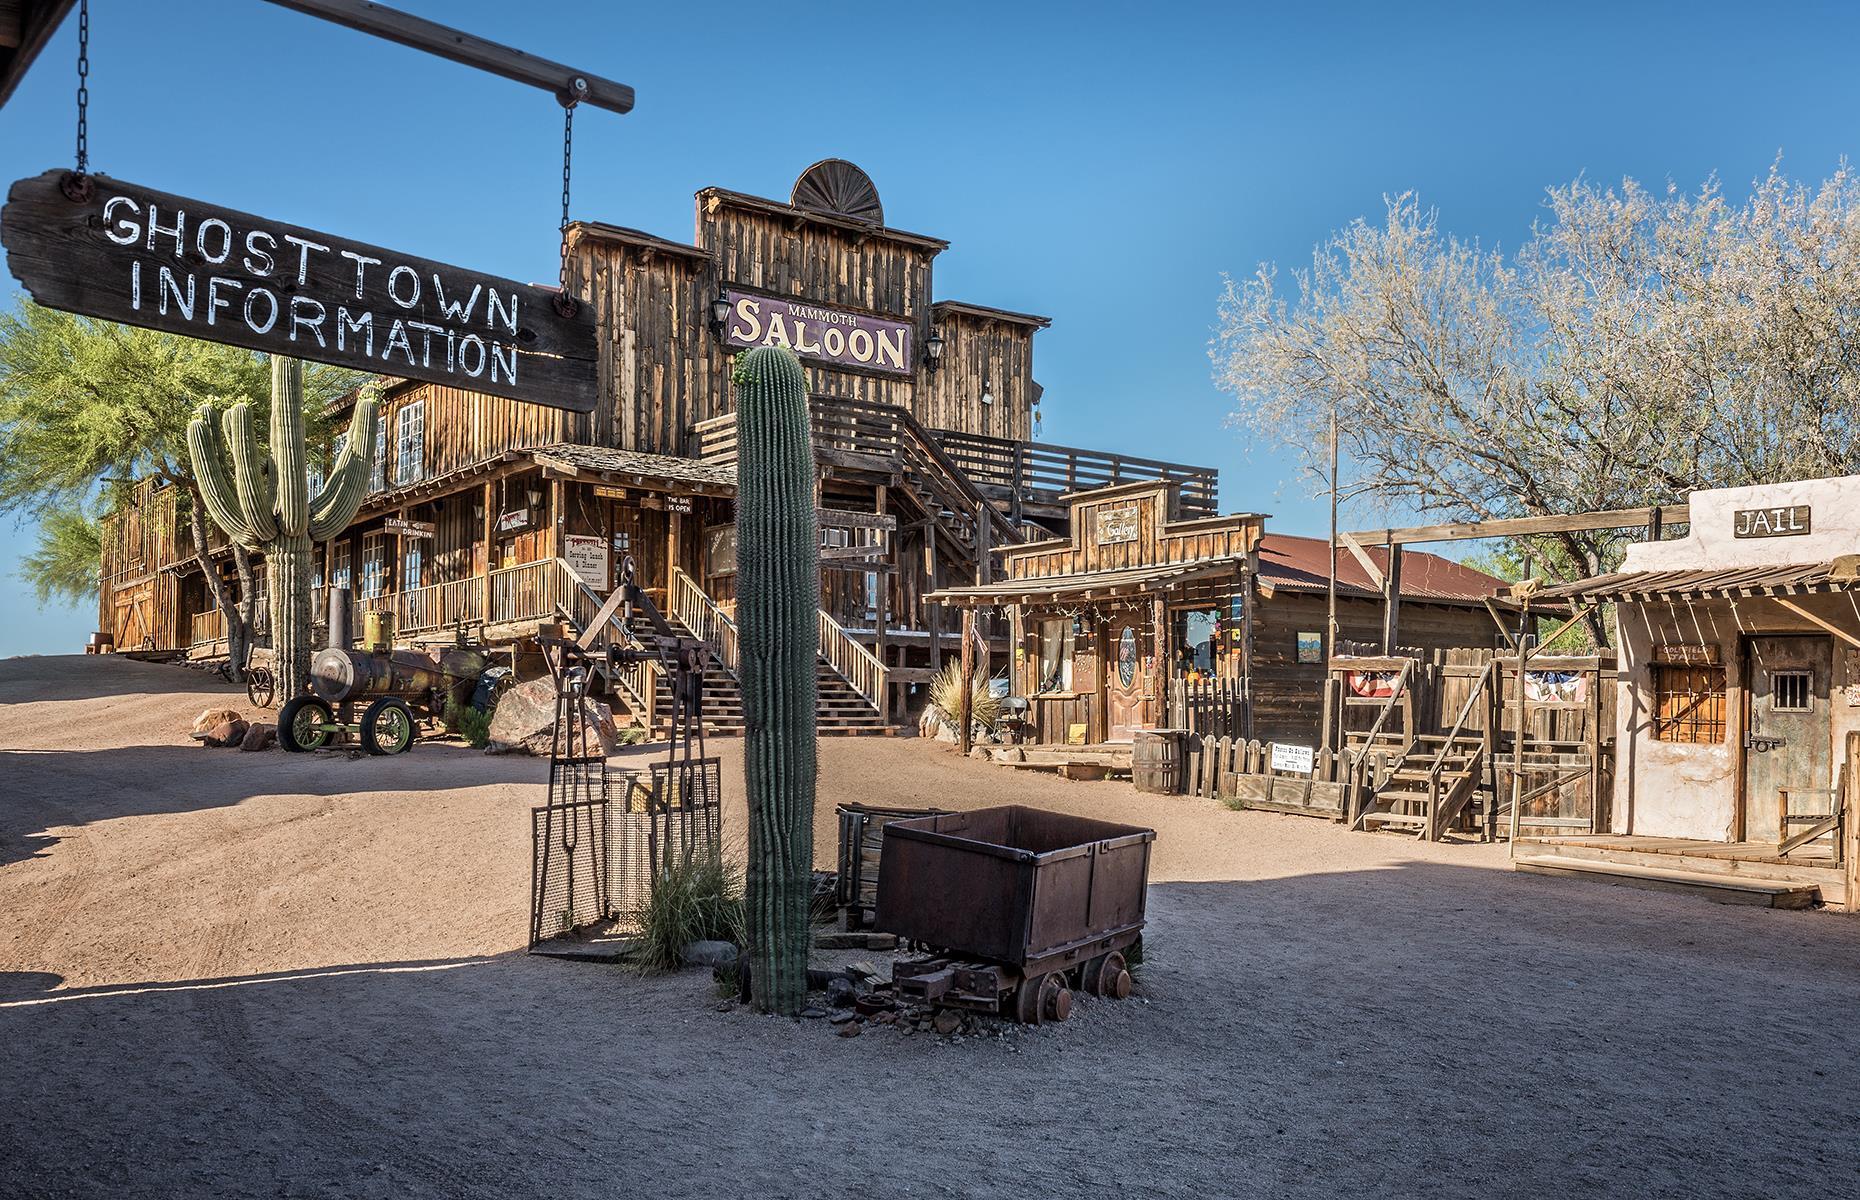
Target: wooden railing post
{"points": [[1849, 845]]}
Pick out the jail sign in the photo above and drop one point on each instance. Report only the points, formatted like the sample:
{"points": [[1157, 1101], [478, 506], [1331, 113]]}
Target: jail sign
{"points": [[1790, 520], [134, 255]]}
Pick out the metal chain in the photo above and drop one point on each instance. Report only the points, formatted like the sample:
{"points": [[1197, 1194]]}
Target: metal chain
{"points": [[83, 88], [568, 159]]}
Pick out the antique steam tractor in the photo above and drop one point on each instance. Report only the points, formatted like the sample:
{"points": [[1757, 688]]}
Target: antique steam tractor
{"points": [[390, 684]]}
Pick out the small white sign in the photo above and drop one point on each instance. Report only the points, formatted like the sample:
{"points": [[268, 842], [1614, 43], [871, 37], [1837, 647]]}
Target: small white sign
{"points": [[1299, 760], [588, 555]]}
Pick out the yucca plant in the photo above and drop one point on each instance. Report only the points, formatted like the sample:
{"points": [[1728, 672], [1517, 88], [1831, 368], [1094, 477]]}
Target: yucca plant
{"points": [[946, 698]]}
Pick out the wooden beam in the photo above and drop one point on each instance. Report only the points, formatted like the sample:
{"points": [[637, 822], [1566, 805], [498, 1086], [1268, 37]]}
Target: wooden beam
{"points": [[1813, 619], [1350, 542], [1461, 531], [378, 20]]}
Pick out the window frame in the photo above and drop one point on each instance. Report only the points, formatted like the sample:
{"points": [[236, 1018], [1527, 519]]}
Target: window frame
{"points": [[1700, 694], [410, 443]]}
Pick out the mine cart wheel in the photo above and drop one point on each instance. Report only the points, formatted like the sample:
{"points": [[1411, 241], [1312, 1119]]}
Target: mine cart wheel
{"points": [[303, 724], [261, 687], [387, 726], [1106, 975], [1042, 998]]}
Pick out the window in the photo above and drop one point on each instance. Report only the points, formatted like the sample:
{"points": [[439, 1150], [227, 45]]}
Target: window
{"points": [[409, 442], [374, 566], [412, 561], [339, 566], [1791, 691], [377, 470], [1688, 704], [1058, 639]]}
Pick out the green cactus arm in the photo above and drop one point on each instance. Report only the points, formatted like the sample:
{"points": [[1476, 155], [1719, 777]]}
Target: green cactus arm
{"points": [[217, 493], [287, 446], [347, 485], [254, 477]]}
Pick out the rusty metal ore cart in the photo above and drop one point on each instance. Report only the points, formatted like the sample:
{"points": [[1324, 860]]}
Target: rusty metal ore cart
{"points": [[1015, 905]]}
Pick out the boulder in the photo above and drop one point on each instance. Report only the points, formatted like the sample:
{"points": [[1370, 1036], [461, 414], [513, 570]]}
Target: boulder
{"points": [[212, 718], [226, 733], [713, 954], [524, 721], [839, 993], [260, 735]]}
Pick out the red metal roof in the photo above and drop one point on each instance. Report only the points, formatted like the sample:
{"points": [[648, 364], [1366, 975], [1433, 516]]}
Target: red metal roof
{"points": [[1303, 564]]}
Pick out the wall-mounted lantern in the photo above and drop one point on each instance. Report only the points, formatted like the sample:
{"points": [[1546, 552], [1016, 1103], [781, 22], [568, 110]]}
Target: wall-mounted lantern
{"points": [[719, 312], [988, 394], [933, 349]]}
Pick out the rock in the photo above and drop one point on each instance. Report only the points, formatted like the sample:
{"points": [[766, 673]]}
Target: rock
{"points": [[946, 1021], [525, 721], [813, 1012], [226, 733], [983, 753], [716, 955], [840, 993], [260, 735], [945, 734], [849, 1030], [860, 971], [208, 720], [844, 1016]]}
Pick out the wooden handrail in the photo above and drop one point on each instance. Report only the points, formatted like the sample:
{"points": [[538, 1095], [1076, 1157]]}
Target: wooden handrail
{"points": [[857, 665], [1446, 746], [693, 608], [640, 678]]}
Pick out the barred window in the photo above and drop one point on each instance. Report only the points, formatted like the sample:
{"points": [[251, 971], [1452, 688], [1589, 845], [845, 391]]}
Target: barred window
{"points": [[409, 442], [1688, 704]]}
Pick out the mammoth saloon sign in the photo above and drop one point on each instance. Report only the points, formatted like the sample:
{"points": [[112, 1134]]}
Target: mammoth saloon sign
{"points": [[125, 253], [827, 335]]}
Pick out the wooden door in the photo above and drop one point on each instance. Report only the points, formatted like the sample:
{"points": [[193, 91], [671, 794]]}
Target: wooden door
{"points": [[135, 618], [1788, 740], [1127, 707]]}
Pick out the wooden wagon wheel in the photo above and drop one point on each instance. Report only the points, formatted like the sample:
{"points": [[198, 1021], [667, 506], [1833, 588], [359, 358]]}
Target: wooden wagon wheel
{"points": [[261, 686]]}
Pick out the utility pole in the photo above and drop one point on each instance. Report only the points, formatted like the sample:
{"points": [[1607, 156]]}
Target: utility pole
{"points": [[1330, 591]]}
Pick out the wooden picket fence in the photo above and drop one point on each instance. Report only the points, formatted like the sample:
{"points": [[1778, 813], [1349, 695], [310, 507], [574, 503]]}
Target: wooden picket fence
{"points": [[1240, 771], [1208, 707]]}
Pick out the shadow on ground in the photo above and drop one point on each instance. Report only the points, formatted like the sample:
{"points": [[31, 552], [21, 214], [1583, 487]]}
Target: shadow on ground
{"points": [[1419, 1030]]}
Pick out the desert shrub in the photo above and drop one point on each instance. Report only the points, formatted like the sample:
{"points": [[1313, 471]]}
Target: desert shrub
{"points": [[698, 899], [946, 696], [470, 723], [632, 735]]}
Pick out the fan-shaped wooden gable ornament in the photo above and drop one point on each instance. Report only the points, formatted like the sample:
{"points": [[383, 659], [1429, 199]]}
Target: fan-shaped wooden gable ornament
{"points": [[836, 186]]}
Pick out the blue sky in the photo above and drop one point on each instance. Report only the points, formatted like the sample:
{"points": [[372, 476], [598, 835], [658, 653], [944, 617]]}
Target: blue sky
{"points": [[1099, 164]]}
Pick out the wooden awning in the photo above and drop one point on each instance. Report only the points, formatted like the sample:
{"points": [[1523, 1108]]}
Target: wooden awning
{"points": [[1797, 579], [1092, 585]]}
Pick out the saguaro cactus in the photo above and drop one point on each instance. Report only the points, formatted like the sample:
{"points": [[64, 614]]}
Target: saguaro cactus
{"points": [[777, 602], [263, 501]]}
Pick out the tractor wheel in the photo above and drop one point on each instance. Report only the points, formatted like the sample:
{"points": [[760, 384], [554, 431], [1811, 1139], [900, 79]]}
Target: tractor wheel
{"points": [[387, 726], [261, 686], [303, 724]]}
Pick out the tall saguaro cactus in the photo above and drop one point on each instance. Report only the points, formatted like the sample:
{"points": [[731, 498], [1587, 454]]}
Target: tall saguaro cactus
{"points": [[777, 602], [263, 501]]}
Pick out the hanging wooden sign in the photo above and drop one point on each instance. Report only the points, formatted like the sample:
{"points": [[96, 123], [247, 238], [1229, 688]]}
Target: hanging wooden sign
{"points": [[831, 336], [131, 254], [406, 528]]}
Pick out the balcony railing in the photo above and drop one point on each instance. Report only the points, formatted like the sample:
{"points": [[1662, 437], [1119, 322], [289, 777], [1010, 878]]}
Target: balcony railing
{"points": [[1043, 472]]}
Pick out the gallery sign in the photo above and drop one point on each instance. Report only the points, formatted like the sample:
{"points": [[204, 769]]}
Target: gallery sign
{"points": [[1115, 525], [826, 335], [1789, 520], [134, 255]]}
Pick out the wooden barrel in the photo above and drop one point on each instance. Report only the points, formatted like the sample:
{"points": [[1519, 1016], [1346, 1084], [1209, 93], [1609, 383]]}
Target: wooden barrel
{"points": [[1156, 760]]}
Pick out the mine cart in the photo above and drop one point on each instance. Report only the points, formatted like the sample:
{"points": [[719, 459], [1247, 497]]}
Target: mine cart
{"points": [[1014, 906]]}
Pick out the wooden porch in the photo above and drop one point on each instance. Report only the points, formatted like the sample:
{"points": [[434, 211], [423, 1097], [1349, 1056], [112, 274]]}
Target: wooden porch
{"points": [[1728, 872]]}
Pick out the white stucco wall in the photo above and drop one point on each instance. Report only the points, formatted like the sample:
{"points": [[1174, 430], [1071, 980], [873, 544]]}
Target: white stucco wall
{"points": [[1711, 544]]}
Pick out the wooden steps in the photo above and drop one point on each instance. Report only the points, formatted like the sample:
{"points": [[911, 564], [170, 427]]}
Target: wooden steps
{"points": [[1724, 887], [1428, 789]]}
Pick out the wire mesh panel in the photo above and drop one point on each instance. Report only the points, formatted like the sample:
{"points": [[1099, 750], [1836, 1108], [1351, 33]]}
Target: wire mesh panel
{"points": [[569, 876], [666, 816]]}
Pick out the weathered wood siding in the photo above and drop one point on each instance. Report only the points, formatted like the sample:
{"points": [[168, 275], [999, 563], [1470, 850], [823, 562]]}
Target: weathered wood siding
{"points": [[980, 351], [1158, 541]]}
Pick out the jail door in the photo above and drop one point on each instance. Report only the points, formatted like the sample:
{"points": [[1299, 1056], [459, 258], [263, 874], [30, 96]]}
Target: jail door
{"points": [[1788, 738]]}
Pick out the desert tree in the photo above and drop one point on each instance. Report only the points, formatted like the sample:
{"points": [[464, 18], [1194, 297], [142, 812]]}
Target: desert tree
{"points": [[88, 407], [1635, 347]]}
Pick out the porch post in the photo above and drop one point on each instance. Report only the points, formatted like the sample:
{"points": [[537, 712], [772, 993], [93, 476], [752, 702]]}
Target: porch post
{"points": [[1391, 595], [883, 594], [964, 696], [932, 613], [490, 563]]}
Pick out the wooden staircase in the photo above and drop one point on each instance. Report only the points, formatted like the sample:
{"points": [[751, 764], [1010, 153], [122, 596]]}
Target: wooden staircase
{"points": [[1429, 788]]}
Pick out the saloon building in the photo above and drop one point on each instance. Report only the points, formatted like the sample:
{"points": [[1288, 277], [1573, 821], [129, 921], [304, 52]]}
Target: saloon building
{"points": [[489, 515]]}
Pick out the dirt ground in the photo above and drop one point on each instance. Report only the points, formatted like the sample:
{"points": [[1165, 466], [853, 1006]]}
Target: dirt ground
{"points": [[228, 974]]}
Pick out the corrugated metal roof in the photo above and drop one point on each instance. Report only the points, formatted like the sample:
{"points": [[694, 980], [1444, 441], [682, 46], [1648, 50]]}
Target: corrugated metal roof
{"points": [[1793, 579], [1052, 587], [1303, 564]]}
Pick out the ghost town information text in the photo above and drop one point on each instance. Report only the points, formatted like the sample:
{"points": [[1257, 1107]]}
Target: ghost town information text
{"points": [[141, 257]]}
